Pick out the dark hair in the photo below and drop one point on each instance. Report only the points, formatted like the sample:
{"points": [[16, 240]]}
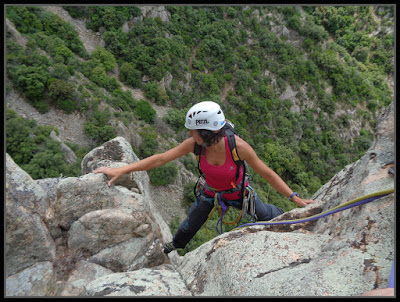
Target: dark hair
{"points": [[210, 137]]}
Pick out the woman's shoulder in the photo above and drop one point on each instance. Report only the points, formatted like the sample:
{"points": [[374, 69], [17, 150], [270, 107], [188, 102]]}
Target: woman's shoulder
{"points": [[243, 148], [188, 144], [240, 141]]}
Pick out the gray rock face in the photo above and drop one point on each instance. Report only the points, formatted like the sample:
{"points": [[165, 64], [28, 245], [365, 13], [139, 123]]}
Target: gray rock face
{"points": [[164, 281], [21, 189], [115, 150], [77, 196], [114, 236], [114, 153], [28, 241], [156, 11], [84, 273], [29, 247], [243, 263], [37, 280], [103, 228], [112, 227]]}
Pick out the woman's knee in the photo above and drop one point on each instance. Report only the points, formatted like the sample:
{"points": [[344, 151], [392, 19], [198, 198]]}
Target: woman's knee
{"points": [[266, 212]]}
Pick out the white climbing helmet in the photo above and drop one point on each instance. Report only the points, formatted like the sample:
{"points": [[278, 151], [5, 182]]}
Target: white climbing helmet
{"points": [[205, 115]]}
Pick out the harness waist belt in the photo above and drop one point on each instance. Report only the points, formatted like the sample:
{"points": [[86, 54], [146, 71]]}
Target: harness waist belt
{"points": [[229, 191]]}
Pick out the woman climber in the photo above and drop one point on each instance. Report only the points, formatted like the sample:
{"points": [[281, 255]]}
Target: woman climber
{"points": [[207, 126]]}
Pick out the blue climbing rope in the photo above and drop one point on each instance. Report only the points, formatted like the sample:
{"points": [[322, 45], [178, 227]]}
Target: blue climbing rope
{"points": [[345, 206], [391, 279], [223, 209]]}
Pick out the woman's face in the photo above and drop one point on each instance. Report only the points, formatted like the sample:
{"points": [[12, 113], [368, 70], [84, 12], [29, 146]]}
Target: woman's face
{"points": [[196, 136]]}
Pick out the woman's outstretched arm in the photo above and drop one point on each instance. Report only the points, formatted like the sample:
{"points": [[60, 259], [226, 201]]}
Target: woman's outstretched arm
{"points": [[148, 163]]}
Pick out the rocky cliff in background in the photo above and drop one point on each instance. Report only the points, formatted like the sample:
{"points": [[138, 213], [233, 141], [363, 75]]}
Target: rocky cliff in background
{"points": [[77, 236]]}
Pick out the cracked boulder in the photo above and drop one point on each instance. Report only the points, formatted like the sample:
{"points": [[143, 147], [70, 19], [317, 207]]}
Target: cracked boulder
{"points": [[119, 240], [114, 153], [159, 281], [239, 263], [77, 196], [27, 240]]}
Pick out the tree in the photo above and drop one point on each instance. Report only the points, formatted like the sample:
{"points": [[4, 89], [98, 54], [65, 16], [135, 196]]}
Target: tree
{"points": [[97, 128], [98, 75], [32, 81], [104, 57], [19, 143], [145, 111], [130, 75], [164, 175], [63, 93]]}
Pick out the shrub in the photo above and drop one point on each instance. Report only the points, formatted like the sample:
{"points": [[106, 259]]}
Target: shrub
{"points": [[149, 145], [190, 163], [63, 93], [145, 111], [129, 75], [96, 127], [31, 80], [175, 118], [33, 150], [164, 175], [105, 58]]}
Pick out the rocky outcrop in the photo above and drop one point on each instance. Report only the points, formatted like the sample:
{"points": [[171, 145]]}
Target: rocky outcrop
{"points": [[161, 281], [28, 241], [78, 237], [112, 228], [156, 11]]}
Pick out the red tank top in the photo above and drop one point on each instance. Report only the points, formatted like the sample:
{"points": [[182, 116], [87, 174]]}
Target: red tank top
{"points": [[221, 177]]}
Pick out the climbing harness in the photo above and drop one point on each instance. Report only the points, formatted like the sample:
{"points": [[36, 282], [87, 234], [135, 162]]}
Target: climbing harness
{"points": [[247, 213], [344, 206], [248, 208]]}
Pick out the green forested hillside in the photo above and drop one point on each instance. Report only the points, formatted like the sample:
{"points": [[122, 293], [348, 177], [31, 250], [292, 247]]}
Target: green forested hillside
{"points": [[336, 59]]}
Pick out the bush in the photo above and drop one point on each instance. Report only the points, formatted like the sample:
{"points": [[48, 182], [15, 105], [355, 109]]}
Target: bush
{"points": [[164, 175], [153, 92], [175, 118], [31, 80], [149, 145], [96, 127], [33, 150], [63, 93], [145, 111], [60, 71], [47, 162], [129, 75], [105, 58]]}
